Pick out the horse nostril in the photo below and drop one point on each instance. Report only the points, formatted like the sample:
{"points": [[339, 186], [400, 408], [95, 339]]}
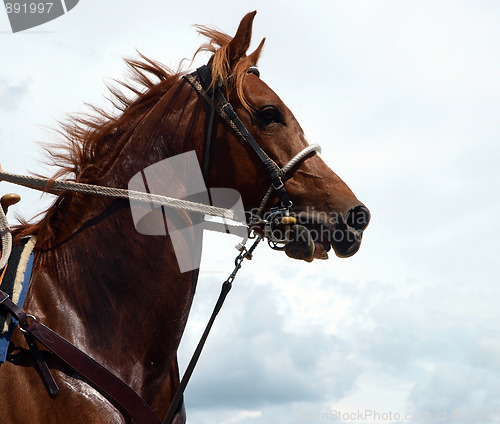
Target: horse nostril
{"points": [[358, 218]]}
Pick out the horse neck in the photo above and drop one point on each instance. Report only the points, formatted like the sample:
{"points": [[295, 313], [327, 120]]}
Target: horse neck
{"points": [[121, 296], [124, 291]]}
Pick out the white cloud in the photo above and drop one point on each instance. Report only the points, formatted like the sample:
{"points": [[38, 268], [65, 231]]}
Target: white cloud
{"points": [[252, 360], [12, 94]]}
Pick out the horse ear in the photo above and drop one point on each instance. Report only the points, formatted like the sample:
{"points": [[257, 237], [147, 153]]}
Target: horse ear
{"points": [[254, 57], [239, 44]]}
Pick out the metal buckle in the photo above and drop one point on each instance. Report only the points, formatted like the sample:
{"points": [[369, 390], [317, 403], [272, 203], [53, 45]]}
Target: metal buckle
{"points": [[24, 330], [282, 184], [228, 109]]}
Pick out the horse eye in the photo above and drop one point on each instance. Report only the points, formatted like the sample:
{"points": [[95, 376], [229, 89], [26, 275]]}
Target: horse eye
{"points": [[253, 70], [270, 114]]}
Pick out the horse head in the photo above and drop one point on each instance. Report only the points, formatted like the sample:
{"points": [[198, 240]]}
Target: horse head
{"points": [[328, 213]]}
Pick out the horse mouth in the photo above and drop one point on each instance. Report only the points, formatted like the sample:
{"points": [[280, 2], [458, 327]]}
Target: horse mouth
{"points": [[312, 237]]}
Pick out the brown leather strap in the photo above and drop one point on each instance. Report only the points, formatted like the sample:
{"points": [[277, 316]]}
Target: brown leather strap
{"points": [[180, 416], [176, 402], [13, 309], [99, 376], [226, 287], [42, 367], [105, 381], [40, 363]]}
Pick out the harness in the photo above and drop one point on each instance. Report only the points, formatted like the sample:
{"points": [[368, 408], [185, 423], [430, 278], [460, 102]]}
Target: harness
{"points": [[14, 281], [100, 377]]}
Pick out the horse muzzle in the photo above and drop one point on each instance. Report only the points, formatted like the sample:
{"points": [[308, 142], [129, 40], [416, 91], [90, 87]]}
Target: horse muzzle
{"points": [[314, 234]]}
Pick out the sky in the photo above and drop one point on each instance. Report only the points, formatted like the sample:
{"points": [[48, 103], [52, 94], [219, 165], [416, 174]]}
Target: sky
{"points": [[404, 98]]}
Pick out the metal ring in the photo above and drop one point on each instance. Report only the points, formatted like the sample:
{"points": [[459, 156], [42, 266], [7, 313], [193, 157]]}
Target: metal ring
{"points": [[19, 324]]}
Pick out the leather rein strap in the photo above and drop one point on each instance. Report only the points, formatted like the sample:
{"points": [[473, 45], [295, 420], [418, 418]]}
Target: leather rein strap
{"points": [[105, 381], [226, 287]]}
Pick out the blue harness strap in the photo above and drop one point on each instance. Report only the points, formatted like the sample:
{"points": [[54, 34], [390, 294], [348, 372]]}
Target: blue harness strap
{"points": [[15, 283]]}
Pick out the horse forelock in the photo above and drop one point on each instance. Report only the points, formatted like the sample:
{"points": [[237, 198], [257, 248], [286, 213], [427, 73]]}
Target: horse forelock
{"points": [[232, 76]]}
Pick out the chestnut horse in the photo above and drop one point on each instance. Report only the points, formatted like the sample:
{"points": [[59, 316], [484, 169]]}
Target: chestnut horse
{"points": [[119, 295]]}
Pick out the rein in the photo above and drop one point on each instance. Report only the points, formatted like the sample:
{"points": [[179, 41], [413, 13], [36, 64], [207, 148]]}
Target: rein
{"points": [[226, 286], [107, 383]]}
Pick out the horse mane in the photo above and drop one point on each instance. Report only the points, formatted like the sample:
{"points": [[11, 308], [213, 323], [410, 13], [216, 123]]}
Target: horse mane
{"points": [[91, 141]]}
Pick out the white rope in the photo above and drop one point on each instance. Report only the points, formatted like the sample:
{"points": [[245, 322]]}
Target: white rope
{"points": [[57, 187], [296, 159], [6, 239]]}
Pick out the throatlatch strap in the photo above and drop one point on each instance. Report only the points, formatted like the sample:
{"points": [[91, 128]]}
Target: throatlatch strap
{"points": [[208, 138]]}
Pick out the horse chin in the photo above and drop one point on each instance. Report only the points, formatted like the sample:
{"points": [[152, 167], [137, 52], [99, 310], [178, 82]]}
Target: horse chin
{"points": [[306, 245], [309, 242], [301, 244]]}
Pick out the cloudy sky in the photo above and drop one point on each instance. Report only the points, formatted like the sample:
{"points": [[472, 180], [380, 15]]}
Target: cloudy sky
{"points": [[404, 97]]}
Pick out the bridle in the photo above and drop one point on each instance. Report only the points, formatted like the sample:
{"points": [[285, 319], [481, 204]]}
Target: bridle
{"points": [[213, 95], [108, 383], [201, 81]]}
